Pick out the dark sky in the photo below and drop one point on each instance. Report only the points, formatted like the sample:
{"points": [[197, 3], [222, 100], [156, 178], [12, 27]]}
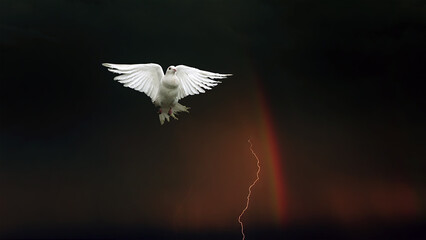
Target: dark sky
{"points": [[82, 156]]}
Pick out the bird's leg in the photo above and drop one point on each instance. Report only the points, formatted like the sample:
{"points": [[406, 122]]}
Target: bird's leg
{"points": [[159, 111], [172, 114]]}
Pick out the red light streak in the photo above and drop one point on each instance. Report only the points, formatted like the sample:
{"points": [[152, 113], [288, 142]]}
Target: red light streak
{"points": [[249, 189]]}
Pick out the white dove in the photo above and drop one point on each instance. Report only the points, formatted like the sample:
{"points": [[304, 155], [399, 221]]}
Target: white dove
{"points": [[165, 90]]}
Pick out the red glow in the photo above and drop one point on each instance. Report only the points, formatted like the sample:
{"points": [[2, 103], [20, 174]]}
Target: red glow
{"points": [[273, 149]]}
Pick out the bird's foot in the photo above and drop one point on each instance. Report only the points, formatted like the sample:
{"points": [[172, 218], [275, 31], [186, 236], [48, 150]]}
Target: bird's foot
{"points": [[159, 111], [172, 114]]}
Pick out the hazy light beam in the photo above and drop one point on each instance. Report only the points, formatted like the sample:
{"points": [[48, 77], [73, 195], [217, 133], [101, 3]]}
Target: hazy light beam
{"points": [[249, 190]]}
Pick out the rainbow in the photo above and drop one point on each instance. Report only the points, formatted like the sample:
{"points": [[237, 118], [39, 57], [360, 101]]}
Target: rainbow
{"points": [[272, 157]]}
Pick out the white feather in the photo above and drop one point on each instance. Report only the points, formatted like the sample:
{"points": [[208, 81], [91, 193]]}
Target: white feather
{"points": [[195, 81], [165, 90], [141, 77]]}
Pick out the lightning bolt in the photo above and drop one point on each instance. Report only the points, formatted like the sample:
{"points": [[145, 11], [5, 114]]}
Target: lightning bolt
{"points": [[249, 190]]}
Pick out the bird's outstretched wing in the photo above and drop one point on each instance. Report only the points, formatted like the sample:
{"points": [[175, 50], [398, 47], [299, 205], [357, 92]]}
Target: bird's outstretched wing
{"points": [[195, 81], [141, 77]]}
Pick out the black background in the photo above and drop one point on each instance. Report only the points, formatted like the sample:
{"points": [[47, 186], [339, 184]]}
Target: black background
{"points": [[344, 80]]}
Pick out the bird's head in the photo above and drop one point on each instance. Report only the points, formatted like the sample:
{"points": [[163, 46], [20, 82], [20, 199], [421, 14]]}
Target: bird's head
{"points": [[171, 70]]}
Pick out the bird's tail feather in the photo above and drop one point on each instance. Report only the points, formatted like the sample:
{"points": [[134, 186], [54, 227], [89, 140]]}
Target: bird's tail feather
{"points": [[164, 115], [180, 108]]}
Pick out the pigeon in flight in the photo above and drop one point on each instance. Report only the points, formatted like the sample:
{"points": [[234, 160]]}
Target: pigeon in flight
{"points": [[165, 90]]}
